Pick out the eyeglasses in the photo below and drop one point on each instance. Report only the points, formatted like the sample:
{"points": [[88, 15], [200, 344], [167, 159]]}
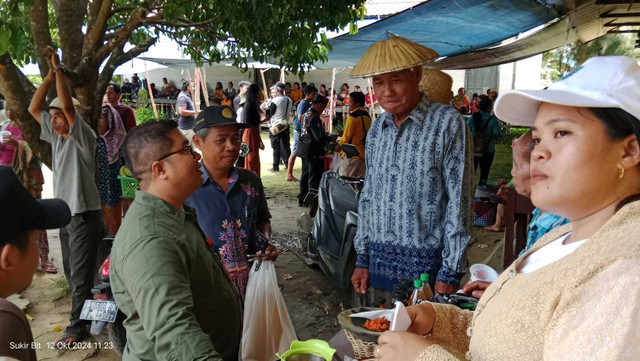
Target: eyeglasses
{"points": [[187, 148]]}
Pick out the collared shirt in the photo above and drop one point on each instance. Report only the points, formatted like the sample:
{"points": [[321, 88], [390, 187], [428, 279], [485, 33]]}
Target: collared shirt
{"points": [[312, 125], [185, 121], [229, 219], [541, 224], [180, 303], [73, 163], [416, 205], [355, 130]]}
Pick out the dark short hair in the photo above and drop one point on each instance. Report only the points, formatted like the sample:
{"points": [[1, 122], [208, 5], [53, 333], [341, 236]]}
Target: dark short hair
{"points": [[618, 124], [309, 89], [20, 240], [116, 87], [486, 105], [358, 97], [185, 85], [145, 143]]}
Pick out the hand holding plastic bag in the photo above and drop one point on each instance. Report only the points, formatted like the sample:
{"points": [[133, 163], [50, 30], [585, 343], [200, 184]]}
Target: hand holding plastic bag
{"points": [[267, 326]]}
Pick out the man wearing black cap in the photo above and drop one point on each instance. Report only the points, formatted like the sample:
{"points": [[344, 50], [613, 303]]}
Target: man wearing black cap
{"points": [[73, 150], [180, 304], [21, 217], [313, 164], [230, 203], [278, 108]]}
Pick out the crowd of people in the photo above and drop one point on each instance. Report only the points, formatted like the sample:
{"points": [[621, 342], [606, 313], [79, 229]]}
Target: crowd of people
{"points": [[180, 265]]}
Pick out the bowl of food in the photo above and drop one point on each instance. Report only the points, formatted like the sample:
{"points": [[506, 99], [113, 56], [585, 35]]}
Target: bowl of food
{"points": [[369, 327]]}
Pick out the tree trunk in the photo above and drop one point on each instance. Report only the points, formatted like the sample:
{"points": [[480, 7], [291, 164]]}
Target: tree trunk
{"points": [[18, 91]]}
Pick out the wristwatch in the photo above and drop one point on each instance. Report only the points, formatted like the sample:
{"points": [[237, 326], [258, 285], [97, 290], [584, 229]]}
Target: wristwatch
{"points": [[60, 67]]}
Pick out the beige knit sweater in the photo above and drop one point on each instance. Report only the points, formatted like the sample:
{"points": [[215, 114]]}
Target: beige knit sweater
{"points": [[585, 306]]}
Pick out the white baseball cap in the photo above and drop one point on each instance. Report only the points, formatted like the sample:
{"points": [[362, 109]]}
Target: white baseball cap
{"points": [[601, 82]]}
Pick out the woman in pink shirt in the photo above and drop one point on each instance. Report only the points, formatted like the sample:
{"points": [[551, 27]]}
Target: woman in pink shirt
{"points": [[14, 151]]}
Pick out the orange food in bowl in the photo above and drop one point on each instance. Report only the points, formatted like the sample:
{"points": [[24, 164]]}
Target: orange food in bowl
{"points": [[378, 324]]}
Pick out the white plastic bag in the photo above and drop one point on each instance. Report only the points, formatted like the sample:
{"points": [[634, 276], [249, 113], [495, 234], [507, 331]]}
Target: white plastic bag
{"points": [[335, 162], [267, 326]]}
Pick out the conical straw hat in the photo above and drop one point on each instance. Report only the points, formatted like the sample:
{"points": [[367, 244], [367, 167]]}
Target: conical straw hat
{"points": [[393, 54], [436, 84]]}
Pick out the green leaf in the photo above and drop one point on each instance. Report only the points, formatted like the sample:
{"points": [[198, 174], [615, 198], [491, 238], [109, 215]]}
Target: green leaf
{"points": [[5, 40]]}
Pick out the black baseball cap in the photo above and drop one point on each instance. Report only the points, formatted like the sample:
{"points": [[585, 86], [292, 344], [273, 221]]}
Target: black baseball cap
{"points": [[20, 212], [217, 115]]}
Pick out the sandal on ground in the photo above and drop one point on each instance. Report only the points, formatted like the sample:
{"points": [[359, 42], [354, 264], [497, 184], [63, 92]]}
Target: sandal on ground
{"points": [[294, 179], [48, 266], [68, 340]]}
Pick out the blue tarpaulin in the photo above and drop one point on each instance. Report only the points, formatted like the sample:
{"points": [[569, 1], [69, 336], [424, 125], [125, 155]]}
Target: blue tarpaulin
{"points": [[450, 27]]}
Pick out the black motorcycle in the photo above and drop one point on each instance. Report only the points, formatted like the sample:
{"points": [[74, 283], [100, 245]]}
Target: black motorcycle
{"points": [[334, 228], [102, 311]]}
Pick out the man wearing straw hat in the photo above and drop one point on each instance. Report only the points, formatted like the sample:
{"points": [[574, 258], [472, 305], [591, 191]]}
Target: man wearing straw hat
{"points": [[415, 209]]}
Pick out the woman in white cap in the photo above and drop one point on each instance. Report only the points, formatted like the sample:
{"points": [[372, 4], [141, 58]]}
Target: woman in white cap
{"points": [[575, 294]]}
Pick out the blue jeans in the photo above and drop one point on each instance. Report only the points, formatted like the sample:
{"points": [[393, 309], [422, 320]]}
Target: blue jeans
{"points": [[296, 138]]}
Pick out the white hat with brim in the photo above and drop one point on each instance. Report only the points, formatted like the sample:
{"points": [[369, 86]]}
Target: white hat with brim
{"points": [[601, 82], [55, 104]]}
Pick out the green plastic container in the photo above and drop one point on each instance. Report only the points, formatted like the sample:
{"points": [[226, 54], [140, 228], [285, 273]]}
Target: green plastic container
{"points": [[299, 349]]}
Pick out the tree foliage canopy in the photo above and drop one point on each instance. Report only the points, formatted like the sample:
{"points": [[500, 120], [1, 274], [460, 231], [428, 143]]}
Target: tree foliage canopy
{"points": [[559, 62], [92, 33]]}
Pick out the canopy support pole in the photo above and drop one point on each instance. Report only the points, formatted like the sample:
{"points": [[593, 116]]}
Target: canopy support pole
{"points": [[153, 102]]}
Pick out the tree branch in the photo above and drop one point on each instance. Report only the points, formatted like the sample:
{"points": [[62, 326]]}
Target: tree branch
{"points": [[198, 51], [98, 16], [184, 23], [18, 92], [38, 15], [121, 9], [70, 29], [122, 35], [117, 58]]}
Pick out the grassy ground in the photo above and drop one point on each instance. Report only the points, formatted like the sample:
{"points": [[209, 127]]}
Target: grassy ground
{"points": [[276, 182], [501, 167]]}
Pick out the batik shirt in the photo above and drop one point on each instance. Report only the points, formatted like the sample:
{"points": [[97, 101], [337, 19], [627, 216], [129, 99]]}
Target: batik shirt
{"points": [[229, 220], [416, 205]]}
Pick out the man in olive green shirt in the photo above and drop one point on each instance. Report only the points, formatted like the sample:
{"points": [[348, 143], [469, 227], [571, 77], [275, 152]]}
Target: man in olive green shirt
{"points": [[180, 303]]}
